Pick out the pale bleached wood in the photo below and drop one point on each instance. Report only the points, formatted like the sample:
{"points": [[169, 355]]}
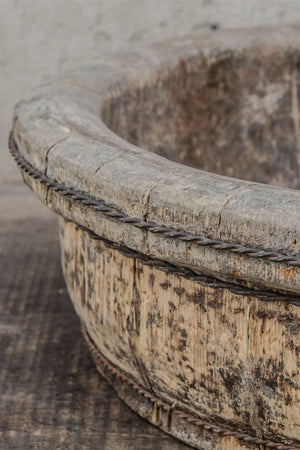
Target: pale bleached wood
{"points": [[230, 358]]}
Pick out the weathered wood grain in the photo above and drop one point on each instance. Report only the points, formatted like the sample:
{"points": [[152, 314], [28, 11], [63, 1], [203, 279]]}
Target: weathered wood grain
{"points": [[79, 105], [231, 359]]}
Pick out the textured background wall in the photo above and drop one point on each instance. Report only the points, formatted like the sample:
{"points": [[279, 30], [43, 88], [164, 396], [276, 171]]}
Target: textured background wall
{"points": [[39, 38]]}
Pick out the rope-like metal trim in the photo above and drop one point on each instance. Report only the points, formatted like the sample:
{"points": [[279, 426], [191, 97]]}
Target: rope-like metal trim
{"points": [[189, 274], [152, 227], [186, 417]]}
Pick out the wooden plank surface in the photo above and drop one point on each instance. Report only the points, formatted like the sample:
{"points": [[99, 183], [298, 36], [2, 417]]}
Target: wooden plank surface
{"points": [[52, 397]]}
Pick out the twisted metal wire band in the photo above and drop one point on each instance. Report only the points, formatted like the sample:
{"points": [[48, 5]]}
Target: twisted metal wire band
{"points": [[188, 417], [203, 280], [152, 227]]}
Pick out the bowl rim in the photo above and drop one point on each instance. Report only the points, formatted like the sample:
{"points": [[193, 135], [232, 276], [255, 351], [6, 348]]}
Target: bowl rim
{"points": [[59, 132]]}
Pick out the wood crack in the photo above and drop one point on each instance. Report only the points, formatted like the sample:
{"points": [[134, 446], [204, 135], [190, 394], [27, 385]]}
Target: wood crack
{"points": [[229, 199]]}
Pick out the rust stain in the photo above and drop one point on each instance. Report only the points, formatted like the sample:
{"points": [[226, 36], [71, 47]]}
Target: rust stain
{"points": [[288, 273], [237, 273], [187, 250]]}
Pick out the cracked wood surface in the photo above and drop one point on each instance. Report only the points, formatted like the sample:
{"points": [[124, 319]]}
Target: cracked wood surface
{"points": [[60, 131]]}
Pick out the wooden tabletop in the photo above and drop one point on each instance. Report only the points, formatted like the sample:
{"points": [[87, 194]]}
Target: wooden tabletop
{"points": [[52, 397]]}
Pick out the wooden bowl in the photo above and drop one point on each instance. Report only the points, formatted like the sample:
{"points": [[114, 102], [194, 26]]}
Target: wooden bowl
{"points": [[182, 266]]}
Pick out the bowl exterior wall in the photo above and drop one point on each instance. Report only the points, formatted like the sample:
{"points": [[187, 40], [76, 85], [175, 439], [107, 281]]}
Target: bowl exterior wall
{"points": [[229, 358]]}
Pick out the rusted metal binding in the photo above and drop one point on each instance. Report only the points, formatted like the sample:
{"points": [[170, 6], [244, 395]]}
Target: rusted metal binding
{"points": [[147, 226], [169, 232], [172, 410], [204, 280]]}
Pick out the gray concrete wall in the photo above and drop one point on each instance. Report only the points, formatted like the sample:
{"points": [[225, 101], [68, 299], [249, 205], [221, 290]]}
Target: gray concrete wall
{"points": [[39, 38]]}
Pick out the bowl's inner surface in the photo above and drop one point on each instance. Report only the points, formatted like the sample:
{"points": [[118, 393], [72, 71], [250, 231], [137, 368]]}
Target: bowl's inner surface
{"points": [[235, 114]]}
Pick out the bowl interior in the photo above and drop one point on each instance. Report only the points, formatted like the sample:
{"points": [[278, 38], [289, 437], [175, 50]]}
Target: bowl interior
{"points": [[233, 113]]}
